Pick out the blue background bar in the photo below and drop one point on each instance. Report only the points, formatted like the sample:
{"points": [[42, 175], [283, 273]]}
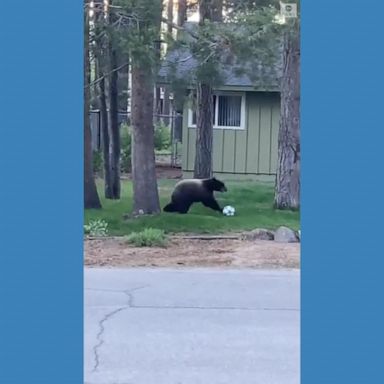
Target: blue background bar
{"points": [[41, 192], [342, 194]]}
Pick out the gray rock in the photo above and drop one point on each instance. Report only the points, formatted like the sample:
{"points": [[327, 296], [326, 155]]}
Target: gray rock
{"points": [[285, 235], [259, 234]]}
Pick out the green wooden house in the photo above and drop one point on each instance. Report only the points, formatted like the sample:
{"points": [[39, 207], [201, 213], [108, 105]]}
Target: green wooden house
{"points": [[246, 121], [245, 146]]}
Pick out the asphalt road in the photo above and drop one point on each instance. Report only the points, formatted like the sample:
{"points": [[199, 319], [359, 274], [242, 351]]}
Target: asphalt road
{"points": [[191, 326]]}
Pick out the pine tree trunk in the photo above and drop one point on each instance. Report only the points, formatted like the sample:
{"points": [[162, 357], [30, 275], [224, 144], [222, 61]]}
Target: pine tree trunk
{"points": [[113, 126], [103, 68], [157, 107], [113, 179], [287, 191], [122, 60], [166, 101], [157, 104], [170, 16], [145, 192], [217, 10], [181, 12], [105, 138], [208, 10], [204, 132], [166, 106], [91, 198]]}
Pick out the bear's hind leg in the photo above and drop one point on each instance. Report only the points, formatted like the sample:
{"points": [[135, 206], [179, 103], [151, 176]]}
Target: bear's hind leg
{"points": [[170, 208], [177, 207], [184, 207]]}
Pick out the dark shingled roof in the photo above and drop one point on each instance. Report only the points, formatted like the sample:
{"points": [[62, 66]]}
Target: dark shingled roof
{"points": [[265, 76]]}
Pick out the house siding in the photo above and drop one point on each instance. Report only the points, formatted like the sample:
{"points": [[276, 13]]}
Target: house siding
{"points": [[252, 151]]}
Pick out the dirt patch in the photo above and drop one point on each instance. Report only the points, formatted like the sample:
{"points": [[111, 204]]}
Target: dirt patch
{"points": [[167, 172], [115, 252], [162, 172]]}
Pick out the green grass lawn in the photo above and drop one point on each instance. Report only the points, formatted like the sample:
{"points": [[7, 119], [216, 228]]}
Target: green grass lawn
{"points": [[253, 203]]}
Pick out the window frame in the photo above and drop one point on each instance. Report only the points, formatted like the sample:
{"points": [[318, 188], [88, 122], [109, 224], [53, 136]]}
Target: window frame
{"points": [[215, 126]]}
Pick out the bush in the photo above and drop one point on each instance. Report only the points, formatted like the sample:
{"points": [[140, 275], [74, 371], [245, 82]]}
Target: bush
{"points": [[149, 237], [96, 228], [125, 153], [162, 141], [162, 136]]}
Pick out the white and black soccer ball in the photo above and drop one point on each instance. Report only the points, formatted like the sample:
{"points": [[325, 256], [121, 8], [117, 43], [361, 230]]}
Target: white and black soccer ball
{"points": [[228, 210]]}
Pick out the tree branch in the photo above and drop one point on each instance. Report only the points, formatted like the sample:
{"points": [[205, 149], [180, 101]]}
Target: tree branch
{"points": [[106, 74], [178, 27]]}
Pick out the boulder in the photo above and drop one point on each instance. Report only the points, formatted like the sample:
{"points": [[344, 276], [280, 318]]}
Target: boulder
{"points": [[285, 235], [259, 234]]}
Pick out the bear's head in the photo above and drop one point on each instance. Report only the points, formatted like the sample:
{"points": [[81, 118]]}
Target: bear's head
{"points": [[215, 185]]}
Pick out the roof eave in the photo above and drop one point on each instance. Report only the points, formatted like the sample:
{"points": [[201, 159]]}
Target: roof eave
{"points": [[240, 88]]}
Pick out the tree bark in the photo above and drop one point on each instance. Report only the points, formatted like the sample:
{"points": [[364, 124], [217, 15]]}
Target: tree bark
{"points": [[122, 60], [204, 133], [113, 126], [287, 190], [157, 107], [166, 102], [145, 192], [101, 56], [105, 138], [203, 167], [170, 16], [102, 100], [91, 198], [181, 12], [113, 123], [217, 10]]}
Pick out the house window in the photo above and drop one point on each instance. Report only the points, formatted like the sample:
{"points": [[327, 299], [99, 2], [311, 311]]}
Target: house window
{"points": [[228, 111]]}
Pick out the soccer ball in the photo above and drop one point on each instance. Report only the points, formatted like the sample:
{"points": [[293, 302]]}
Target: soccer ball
{"points": [[228, 210]]}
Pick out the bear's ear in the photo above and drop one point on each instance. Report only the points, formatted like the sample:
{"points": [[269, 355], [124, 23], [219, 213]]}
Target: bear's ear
{"points": [[214, 178]]}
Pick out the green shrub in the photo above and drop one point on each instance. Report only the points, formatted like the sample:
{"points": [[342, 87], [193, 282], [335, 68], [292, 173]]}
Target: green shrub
{"points": [[149, 237], [96, 228], [125, 153], [162, 141], [162, 136]]}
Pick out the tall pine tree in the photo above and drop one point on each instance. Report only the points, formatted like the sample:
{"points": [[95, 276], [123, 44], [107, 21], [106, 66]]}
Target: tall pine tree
{"points": [[287, 190], [144, 67], [209, 11], [91, 198]]}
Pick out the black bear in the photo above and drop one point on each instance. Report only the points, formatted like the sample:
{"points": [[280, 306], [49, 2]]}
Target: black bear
{"points": [[191, 191]]}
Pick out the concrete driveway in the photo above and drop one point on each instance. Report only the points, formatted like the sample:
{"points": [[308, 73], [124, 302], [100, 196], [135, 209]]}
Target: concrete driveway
{"points": [[191, 326]]}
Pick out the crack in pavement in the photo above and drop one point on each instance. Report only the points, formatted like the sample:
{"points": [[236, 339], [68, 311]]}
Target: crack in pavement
{"points": [[100, 334], [108, 316], [213, 308], [130, 304], [127, 292]]}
